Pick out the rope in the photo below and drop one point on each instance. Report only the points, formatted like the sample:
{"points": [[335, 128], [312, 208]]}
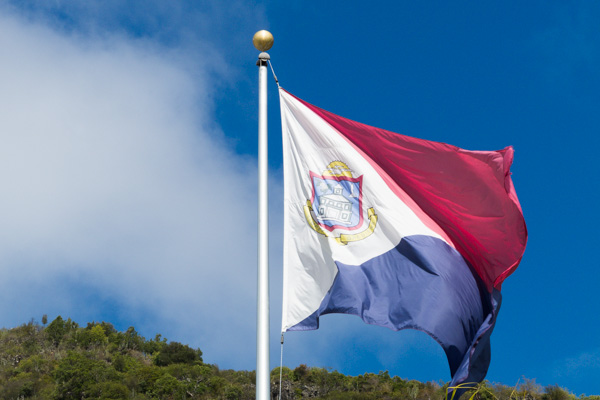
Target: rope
{"points": [[277, 82], [281, 356]]}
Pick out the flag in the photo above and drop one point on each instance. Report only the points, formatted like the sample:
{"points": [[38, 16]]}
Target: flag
{"points": [[402, 232]]}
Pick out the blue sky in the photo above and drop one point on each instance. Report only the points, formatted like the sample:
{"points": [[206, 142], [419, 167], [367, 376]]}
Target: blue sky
{"points": [[128, 164]]}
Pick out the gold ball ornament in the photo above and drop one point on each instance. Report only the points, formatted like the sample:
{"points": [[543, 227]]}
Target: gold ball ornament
{"points": [[263, 40]]}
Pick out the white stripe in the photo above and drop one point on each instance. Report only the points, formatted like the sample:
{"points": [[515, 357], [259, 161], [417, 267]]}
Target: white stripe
{"points": [[310, 144]]}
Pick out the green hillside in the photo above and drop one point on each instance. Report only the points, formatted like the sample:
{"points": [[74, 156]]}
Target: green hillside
{"points": [[62, 360]]}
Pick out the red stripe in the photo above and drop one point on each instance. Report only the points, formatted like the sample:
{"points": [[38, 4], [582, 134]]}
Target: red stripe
{"points": [[468, 194]]}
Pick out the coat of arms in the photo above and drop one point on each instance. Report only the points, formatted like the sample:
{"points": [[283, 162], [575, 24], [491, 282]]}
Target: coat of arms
{"points": [[336, 205]]}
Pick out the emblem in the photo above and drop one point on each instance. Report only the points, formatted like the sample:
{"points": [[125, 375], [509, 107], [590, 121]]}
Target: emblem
{"points": [[336, 205]]}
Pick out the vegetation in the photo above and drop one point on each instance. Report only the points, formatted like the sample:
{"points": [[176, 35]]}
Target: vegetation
{"points": [[62, 360]]}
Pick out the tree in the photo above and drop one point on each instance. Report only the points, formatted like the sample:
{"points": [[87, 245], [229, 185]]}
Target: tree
{"points": [[109, 391], [233, 392], [177, 353], [555, 392], [56, 330], [77, 375], [168, 386], [300, 372], [92, 336]]}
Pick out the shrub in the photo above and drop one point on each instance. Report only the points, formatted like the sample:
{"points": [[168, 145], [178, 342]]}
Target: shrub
{"points": [[177, 353]]}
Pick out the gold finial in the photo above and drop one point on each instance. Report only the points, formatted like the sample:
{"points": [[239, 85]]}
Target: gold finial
{"points": [[263, 40]]}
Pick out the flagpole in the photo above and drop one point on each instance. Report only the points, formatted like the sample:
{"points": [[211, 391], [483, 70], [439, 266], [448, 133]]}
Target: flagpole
{"points": [[263, 40]]}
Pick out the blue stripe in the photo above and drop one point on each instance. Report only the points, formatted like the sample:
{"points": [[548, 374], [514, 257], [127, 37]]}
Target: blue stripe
{"points": [[422, 284]]}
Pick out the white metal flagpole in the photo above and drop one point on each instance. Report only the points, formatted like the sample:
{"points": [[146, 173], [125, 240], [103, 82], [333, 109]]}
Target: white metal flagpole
{"points": [[263, 40]]}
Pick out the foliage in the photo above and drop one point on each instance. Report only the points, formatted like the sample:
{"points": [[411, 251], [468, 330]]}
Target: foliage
{"points": [[177, 353], [62, 360]]}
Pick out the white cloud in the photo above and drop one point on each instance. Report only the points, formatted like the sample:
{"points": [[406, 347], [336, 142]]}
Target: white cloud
{"points": [[582, 365], [119, 193], [580, 370]]}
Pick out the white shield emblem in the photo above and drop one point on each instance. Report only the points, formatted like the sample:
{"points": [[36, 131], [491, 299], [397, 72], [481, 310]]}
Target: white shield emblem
{"points": [[336, 204]]}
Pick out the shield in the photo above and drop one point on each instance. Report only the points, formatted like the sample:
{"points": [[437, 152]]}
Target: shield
{"points": [[337, 201]]}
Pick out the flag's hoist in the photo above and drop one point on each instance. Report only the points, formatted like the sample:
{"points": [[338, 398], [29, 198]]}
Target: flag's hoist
{"points": [[403, 232]]}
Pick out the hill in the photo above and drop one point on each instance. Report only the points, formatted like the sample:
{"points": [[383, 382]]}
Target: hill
{"points": [[62, 360]]}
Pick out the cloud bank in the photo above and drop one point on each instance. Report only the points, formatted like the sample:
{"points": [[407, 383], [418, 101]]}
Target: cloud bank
{"points": [[120, 195]]}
